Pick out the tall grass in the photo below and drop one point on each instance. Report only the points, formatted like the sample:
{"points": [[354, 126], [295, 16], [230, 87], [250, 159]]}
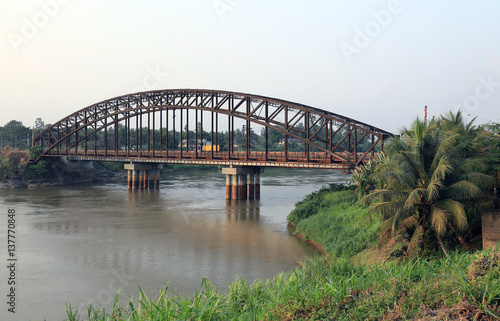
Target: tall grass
{"points": [[340, 291]]}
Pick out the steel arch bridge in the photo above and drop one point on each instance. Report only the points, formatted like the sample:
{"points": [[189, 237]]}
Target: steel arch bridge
{"points": [[192, 126]]}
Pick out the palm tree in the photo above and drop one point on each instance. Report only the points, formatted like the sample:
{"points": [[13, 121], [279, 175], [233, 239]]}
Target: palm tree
{"points": [[428, 175]]}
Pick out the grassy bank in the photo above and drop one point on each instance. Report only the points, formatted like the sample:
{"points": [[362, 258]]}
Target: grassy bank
{"points": [[332, 218], [466, 285], [462, 286]]}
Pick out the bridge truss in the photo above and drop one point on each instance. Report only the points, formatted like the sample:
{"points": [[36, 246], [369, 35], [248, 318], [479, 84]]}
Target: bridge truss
{"points": [[139, 127]]}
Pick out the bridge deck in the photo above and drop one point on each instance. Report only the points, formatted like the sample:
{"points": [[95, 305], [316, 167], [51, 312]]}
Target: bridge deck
{"points": [[318, 160]]}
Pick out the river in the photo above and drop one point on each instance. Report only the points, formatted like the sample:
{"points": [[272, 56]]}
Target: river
{"points": [[82, 244]]}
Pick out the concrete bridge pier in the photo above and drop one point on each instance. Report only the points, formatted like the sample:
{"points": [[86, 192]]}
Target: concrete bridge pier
{"points": [[229, 186], [143, 175], [242, 182]]}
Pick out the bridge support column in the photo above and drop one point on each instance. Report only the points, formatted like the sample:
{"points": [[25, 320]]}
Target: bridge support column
{"points": [[142, 176], [144, 179], [243, 187], [129, 179], [251, 186], [228, 186], [157, 178], [151, 178], [235, 191], [257, 183], [242, 182], [135, 179]]}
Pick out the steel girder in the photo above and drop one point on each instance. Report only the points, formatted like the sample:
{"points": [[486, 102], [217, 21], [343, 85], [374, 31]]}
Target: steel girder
{"points": [[325, 131]]}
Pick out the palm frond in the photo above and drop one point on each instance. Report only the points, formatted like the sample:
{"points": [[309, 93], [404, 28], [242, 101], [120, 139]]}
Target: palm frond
{"points": [[408, 223], [439, 219], [415, 198], [384, 209], [434, 191], [464, 191], [457, 213]]}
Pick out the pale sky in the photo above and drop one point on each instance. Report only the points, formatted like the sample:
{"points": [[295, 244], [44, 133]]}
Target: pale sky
{"points": [[378, 62]]}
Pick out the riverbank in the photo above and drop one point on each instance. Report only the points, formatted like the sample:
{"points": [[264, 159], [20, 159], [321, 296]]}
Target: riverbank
{"points": [[63, 177], [464, 286], [103, 173]]}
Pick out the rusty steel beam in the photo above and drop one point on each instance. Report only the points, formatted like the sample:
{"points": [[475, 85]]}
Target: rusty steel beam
{"points": [[318, 129]]}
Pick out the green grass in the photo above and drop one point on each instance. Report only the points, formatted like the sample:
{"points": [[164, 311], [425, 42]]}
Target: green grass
{"points": [[340, 291], [333, 219]]}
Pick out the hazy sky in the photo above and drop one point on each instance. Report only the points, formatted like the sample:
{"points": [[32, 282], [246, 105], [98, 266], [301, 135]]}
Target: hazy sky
{"points": [[378, 62]]}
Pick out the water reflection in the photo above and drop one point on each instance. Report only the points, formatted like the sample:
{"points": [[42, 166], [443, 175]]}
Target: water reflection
{"points": [[237, 210]]}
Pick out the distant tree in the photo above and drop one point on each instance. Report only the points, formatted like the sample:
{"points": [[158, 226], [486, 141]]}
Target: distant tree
{"points": [[489, 148], [14, 134]]}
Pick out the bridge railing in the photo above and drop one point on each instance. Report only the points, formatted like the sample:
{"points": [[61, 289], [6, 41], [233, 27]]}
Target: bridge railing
{"points": [[258, 156]]}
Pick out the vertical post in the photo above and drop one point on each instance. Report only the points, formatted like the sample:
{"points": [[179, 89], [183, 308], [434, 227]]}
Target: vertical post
{"points": [[173, 125], [373, 148], [117, 148], [154, 129], [144, 179], [248, 130], [355, 146], [286, 134], [161, 131], [86, 132], [187, 131], [149, 131], [151, 174], [197, 142], [228, 186], [139, 143], [235, 187], [157, 178], [141, 180], [251, 186], [243, 187], [306, 120], [135, 179], [129, 179], [166, 129], [180, 140], [266, 132], [257, 183], [106, 133]]}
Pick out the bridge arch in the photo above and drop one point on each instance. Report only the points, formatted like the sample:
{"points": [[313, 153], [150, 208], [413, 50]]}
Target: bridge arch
{"points": [[106, 130]]}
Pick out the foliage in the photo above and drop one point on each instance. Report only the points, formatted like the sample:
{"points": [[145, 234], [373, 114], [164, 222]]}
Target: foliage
{"points": [[14, 134], [13, 162], [363, 177], [489, 148], [430, 173]]}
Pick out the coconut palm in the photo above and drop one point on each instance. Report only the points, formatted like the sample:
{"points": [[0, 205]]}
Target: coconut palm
{"points": [[428, 174]]}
